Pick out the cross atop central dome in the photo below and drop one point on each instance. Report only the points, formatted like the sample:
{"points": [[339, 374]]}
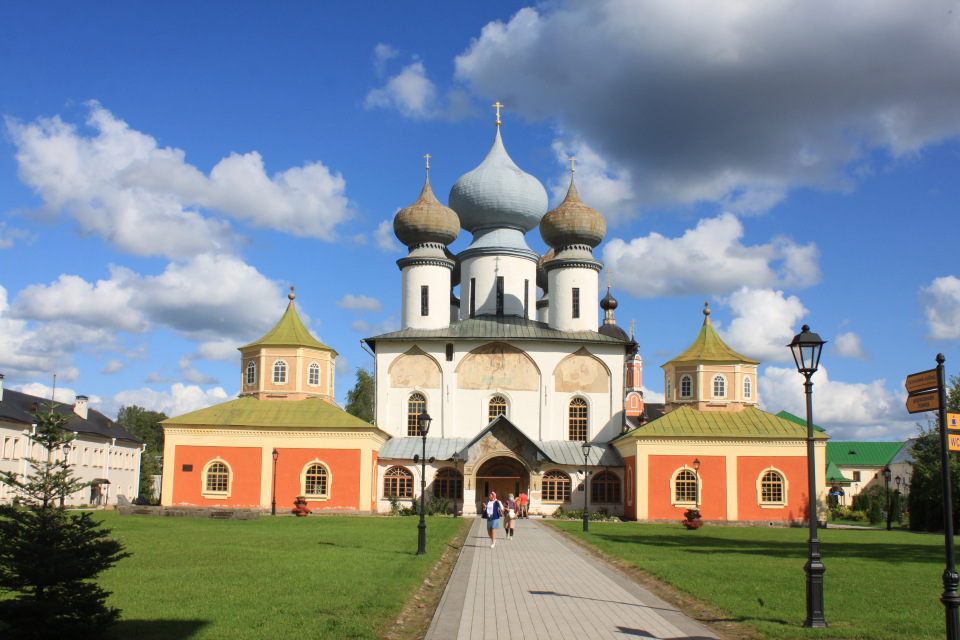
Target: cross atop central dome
{"points": [[498, 194]]}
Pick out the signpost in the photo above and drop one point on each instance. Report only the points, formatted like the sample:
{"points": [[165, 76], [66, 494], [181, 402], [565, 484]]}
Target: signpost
{"points": [[927, 392]]}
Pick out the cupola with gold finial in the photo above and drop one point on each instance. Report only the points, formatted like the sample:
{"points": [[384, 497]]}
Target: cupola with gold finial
{"points": [[288, 363], [709, 375], [426, 227], [572, 230]]}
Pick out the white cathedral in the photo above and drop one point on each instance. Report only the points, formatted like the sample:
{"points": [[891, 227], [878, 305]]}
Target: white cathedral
{"points": [[515, 386]]}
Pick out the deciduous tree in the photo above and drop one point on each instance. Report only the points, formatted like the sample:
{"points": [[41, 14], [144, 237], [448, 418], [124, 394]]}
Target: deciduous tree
{"points": [[360, 399]]}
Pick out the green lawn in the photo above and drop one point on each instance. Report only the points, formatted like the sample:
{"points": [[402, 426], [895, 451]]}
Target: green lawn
{"points": [[282, 577], [878, 584]]}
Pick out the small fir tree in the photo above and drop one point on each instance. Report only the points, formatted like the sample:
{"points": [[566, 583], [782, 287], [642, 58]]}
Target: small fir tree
{"points": [[47, 557]]}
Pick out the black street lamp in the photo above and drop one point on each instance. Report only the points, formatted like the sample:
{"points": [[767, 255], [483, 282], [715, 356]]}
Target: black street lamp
{"points": [[806, 348], [886, 487], [899, 502], [696, 488], [424, 421], [273, 503], [586, 487], [458, 482]]}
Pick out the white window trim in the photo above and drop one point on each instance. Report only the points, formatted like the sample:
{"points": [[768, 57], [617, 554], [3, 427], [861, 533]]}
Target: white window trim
{"points": [[747, 388], [566, 416], [203, 480], [315, 497], [713, 386], [314, 365], [786, 487], [251, 367], [673, 487], [286, 371], [680, 386], [493, 395]]}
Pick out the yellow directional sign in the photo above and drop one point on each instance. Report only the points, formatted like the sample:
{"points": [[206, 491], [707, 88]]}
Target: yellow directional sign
{"points": [[953, 441], [953, 421], [921, 381], [923, 402]]}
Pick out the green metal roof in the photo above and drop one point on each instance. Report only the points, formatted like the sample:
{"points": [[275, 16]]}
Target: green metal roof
{"points": [[491, 327], [834, 475], [862, 454], [748, 423], [251, 412], [786, 415], [708, 347], [289, 332]]}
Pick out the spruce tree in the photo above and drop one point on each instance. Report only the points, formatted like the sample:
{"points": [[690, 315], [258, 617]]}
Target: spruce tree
{"points": [[48, 558]]}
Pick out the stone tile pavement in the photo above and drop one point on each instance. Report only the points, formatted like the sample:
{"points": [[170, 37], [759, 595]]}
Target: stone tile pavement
{"points": [[538, 586]]}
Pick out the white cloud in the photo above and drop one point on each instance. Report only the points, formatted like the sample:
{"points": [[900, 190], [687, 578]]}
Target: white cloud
{"points": [[941, 300], [607, 189], [223, 350], [848, 345], [194, 376], [763, 323], [28, 352], [366, 328], [721, 100], [113, 365], [381, 54], [360, 303], [709, 259], [180, 399], [385, 238], [11, 235], [62, 395], [652, 397], [410, 92], [848, 411], [146, 200]]}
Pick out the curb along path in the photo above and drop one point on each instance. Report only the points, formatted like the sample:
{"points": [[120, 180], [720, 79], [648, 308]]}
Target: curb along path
{"points": [[538, 586]]}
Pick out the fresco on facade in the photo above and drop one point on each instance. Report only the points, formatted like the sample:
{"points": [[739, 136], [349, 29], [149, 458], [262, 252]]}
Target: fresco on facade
{"points": [[581, 372], [414, 370], [498, 366]]}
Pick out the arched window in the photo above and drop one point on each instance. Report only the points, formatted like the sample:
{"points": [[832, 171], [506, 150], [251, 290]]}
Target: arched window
{"points": [[416, 405], [216, 479], [398, 482], [577, 420], [313, 374], [279, 372], [251, 372], [448, 483], [605, 487], [667, 394], [685, 487], [747, 388], [497, 407], [686, 387], [719, 387], [556, 487], [772, 488], [316, 481]]}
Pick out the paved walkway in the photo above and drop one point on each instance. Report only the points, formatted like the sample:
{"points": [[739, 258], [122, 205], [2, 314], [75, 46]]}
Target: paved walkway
{"points": [[539, 586]]}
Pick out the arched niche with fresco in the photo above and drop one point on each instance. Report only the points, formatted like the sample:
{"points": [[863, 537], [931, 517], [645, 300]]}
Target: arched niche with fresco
{"points": [[581, 371], [498, 365], [414, 369]]}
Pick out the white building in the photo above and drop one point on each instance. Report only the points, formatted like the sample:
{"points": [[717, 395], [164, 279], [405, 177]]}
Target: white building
{"points": [[101, 453], [511, 398]]}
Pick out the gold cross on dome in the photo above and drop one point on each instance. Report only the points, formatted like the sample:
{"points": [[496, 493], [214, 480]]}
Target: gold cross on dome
{"points": [[428, 160], [573, 164], [498, 106], [632, 325]]}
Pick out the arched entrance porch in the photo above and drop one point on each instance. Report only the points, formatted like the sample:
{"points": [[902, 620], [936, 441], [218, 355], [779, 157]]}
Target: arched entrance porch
{"points": [[503, 475]]}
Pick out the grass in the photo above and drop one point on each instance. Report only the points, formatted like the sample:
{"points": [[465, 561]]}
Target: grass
{"points": [[878, 585], [319, 577]]}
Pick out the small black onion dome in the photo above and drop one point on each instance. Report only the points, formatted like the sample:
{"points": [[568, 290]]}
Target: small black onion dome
{"points": [[426, 220], [541, 272], [573, 222], [613, 331], [609, 303]]}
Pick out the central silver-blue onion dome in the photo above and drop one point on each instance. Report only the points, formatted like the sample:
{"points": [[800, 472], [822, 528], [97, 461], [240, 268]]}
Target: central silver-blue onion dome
{"points": [[498, 194]]}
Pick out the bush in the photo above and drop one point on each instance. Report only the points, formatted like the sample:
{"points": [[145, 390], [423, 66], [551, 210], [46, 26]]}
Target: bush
{"points": [[876, 513], [691, 519], [859, 516]]}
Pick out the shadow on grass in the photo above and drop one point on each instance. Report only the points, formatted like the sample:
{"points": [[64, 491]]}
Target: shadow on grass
{"points": [[155, 629], [704, 543]]}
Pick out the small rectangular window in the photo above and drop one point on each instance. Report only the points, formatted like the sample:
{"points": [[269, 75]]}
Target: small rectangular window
{"points": [[576, 302], [450, 353], [188, 467], [424, 300], [499, 295], [526, 298], [856, 476], [473, 296]]}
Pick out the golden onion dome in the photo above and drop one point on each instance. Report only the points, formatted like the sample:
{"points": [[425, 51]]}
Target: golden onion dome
{"points": [[426, 220], [573, 222]]}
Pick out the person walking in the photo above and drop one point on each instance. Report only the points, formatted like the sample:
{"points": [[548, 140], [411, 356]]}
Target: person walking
{"points": [[492, 512], [522, 501], [509, 516]]}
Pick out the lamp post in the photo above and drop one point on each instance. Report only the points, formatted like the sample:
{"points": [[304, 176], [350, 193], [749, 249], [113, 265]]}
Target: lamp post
{"points": [[899, 504], [806, 348], [273, 503], [424, 421], [586, 455], [886, 488], [696, 488]]}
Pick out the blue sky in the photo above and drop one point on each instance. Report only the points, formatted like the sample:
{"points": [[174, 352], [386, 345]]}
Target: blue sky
{"points": [[167, 171]]}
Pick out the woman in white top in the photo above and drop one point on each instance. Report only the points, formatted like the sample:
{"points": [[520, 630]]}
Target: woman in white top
{"points": [[491, 512]]}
